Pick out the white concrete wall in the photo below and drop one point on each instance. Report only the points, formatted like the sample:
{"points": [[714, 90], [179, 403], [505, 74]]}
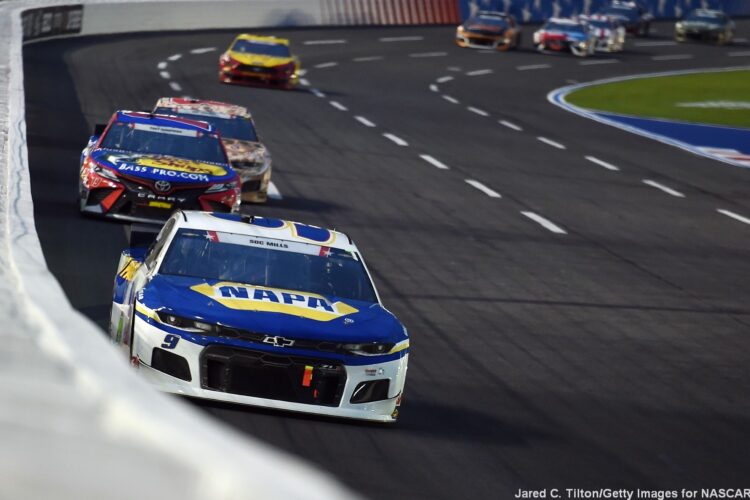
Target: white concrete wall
{"points": [[75, 420]]}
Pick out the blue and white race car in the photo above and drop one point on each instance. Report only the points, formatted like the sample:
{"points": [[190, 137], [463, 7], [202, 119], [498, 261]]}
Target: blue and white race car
{"points": [[260, 311], [562, 34]]}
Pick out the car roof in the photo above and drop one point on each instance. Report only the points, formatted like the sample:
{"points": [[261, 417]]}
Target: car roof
{"points": [[164, 120], [563, 20], [708, 12], [265, 227], [492, 13], [262, 38], [203, 107]]}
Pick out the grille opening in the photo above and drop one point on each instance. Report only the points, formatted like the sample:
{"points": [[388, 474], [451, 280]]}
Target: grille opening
{"points": [[251, 186], [372, 390], [171, 364], [287, 378]]}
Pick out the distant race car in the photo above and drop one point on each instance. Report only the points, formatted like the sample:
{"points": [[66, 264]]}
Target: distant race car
{"points": [[248, 156], [262, 312], [609, 33], [144, 166], [632, 14], [259, 59], [704, 24], [489, 30], [561, 34]]}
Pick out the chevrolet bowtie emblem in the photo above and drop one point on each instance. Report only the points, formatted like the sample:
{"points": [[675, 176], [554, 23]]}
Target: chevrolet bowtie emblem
{"points": [[278, 341]]}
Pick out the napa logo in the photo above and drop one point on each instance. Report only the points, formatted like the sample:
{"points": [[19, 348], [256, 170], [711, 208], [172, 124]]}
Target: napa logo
{"points": [[262, 299]]}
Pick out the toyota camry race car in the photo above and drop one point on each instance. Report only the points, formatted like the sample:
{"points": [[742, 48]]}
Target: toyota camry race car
{"points": [[143, 166], [609, 33], [633, 15], [559, 34], [261, 312], [259, 59], [489, 30], [248, 156], [704, 24]]}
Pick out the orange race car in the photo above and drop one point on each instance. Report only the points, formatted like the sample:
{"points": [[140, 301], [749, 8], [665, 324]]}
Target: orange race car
{"points": [[489, 30]]}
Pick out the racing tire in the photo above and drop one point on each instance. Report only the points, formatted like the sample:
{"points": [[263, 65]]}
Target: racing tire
{"points": [[645, 29], [517, 45]]}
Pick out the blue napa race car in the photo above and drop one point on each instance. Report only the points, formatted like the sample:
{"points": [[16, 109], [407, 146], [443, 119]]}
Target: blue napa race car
{"points": [[561, 34], [141, 167], [262, 312]]}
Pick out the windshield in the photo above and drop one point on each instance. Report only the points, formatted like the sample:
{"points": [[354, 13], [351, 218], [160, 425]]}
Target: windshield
{"points": [[268, 262], [493, 21], [704, 18], [237, 127], [627, 12], [264, 48], [145, 138], [577, 28]]}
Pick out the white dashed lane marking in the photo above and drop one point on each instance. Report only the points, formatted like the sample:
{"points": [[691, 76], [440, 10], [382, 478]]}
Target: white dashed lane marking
{"points": [[601, 163], [175, 86], [510, 125], [478, 185], [324, 42], [662, 43], [545, 223], [338, 106], [444, 79], [672, 57], [434, 87], [429, 54], [367, 58], [326, 65], [550, 142], [400, 38], [317, 93], [304, 82], [739, 53], [740, 40], [733, 215], [663, 188], [162, 65], [273, 192], [533, 66], [174, 57], [399, 141], [594, 62], [436, 163], [203, 50], [165, 75], [450, 99], [478, 111], [479, 72], [364, 121]]}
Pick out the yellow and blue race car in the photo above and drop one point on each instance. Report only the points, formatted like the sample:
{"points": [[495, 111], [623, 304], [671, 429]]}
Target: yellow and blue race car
{"points": [[256, 59], [260, 311]]}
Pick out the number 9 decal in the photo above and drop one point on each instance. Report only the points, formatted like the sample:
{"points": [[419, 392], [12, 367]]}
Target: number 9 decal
{"points": [[170, 341]]}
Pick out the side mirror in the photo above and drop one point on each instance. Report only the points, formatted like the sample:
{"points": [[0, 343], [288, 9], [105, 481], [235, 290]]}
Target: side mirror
{"points": [[99, 129]]}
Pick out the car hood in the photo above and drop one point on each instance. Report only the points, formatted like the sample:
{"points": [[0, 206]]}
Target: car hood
{"points": [[701, 25], [484, 28], [573, 36], [250, 151], [260, 60], [272, 311], [162, 168]]}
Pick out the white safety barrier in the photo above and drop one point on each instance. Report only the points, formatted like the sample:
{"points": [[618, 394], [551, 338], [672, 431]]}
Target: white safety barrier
{"points": [[75, 421]]}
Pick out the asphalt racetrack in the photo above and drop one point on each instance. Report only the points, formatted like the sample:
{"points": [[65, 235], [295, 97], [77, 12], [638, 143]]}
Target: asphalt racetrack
{"points": [[577, 304]]}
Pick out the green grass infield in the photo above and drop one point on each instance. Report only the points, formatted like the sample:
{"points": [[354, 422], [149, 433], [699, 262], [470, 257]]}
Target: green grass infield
{"points": [[721, 98]]}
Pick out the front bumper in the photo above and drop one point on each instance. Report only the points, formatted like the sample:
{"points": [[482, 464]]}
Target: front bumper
{"points": [[204, 382], [262, 76], [476, 41], [254, 186]]}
